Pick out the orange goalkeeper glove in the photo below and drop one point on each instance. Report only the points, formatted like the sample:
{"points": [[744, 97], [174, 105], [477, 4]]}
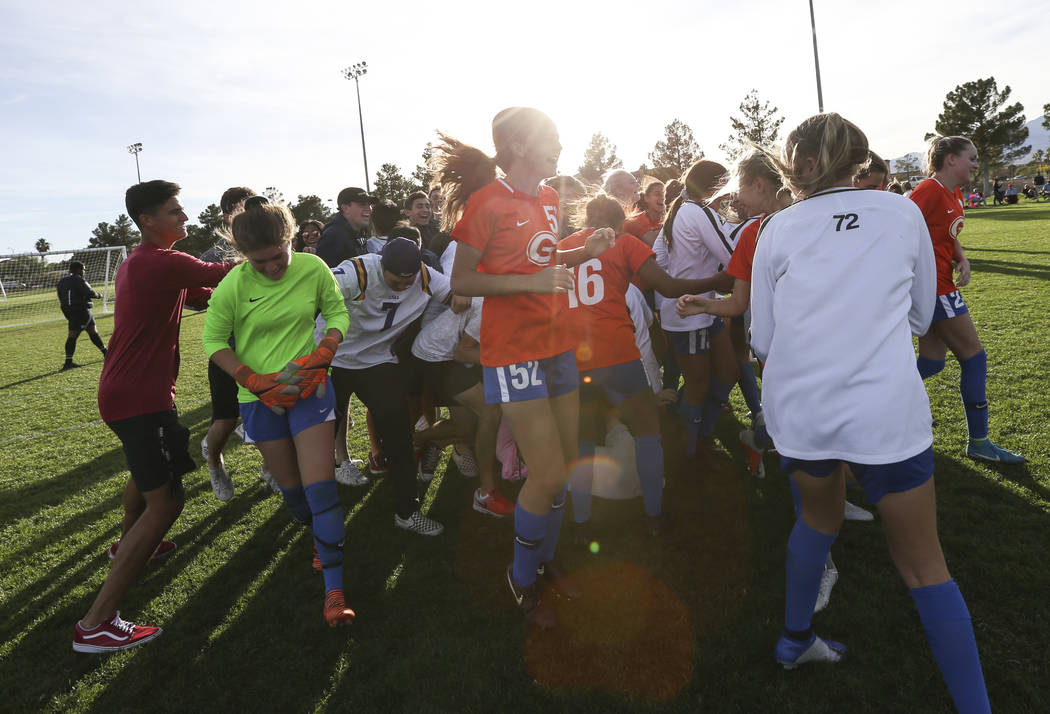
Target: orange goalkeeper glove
{"points": [[274, 394]]}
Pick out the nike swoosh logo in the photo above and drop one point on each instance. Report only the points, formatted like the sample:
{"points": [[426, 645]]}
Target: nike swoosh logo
{"points": [[254, 299], [521, 223]]}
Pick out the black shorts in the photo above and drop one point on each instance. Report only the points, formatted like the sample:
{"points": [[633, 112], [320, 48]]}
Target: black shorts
{"points": [[447, 379], [79, 318], [157, 448], [223, 390]]}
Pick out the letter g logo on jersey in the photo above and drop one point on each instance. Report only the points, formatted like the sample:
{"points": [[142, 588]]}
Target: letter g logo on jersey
{"points": [[956, 227], [541, 248]]}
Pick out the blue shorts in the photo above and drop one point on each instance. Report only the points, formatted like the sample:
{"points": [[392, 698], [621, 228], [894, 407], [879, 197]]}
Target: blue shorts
{"points": [[695, 342], [261, 424], [616, 383], [536, 379], [949, 305], [876, 479]]}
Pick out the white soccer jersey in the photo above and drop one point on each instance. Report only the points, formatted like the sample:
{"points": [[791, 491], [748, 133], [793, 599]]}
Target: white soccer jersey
{"points": [[437, 341], [378, 313], [841, 282], [699, 248]]}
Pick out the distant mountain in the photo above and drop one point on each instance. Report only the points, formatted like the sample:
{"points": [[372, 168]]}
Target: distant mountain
{"points": [[1038, 138]]}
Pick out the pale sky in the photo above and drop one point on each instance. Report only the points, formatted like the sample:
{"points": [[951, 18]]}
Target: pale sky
{"points": [[250, 93]]}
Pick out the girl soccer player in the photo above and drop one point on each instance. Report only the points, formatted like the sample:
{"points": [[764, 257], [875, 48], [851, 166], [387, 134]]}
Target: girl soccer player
{"points": [[651, 208], [693, 244], [840, 386], [506, 229], [952, 161], [607, 355], [270, 301]]}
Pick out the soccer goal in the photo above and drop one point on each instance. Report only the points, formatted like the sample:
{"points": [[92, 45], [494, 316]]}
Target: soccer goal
{"points": [[28, 282]]}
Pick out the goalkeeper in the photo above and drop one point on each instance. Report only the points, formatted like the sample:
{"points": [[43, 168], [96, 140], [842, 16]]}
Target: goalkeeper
{"points": [[76, 295], [287, 408]]}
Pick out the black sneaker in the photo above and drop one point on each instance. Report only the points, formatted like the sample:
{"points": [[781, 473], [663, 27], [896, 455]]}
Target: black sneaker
{"points": [[69, 365], [528, 599], [559, 580], [429, 459]]}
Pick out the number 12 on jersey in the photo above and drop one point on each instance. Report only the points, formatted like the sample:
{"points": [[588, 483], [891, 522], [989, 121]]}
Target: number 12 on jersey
{"points": [[588, 287]]}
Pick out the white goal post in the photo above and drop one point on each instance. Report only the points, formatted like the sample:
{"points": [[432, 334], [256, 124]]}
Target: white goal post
{"points": [[28, 282]]}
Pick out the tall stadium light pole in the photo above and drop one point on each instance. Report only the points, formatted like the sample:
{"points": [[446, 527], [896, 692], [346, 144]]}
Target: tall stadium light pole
{"points": [[354, 72], [135, 149], [816, 58]]}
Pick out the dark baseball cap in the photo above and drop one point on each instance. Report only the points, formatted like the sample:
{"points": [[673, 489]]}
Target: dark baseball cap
{"points": [[354, 195], [401, 257]]}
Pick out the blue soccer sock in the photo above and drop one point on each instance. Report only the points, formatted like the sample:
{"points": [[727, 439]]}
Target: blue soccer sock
{"points": [[529, 529], [649, 458], [949, 631], [929, 367], [749, 387], [717, 396], [552, 528], [974, 375], [295, 500], [691, 414], [582, 479], [323, 498], [806, 554], [796, 497]]}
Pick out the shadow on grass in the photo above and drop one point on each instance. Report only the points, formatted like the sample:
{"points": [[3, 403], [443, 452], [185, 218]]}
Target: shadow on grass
{"points": [[686, 623], [1003, 250], [1023, 270], [34, 496]]}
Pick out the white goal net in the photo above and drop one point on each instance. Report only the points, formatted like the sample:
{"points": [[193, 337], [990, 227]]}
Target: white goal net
{"points": [[29, 282]]}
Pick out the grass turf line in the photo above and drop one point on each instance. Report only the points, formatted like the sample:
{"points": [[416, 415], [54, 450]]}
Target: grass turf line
{"points": [[685, 626]]}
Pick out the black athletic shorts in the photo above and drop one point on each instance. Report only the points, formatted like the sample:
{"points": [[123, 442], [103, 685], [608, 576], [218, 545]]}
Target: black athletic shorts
{"points": [[447, 379], [157, 448], [79, 318], [223, 390]]}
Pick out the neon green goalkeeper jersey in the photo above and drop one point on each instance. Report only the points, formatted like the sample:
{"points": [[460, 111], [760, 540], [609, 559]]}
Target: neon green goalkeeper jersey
{"points": [[273, 321]]}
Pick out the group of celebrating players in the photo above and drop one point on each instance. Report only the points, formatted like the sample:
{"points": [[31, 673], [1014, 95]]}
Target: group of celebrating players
{"points": [[514, 316]]}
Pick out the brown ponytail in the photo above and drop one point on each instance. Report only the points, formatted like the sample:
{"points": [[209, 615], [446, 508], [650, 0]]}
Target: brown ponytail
{"points": [[701, 181]]}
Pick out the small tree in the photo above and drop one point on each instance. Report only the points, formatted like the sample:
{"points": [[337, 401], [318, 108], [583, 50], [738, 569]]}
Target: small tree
{"points": [[676, 153], [200, 238], [391, 184], [42, 246], [1046, 117], [906, 165], [273, 195], [122, 232], [423, 176], [975, 110], [310, 207], [758, 124], [599, 157]]}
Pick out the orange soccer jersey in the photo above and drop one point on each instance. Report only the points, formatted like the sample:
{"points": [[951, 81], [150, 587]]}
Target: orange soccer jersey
{"points": [[943, 211], [640, 224], [603, 333], [744, 253], [517, 234]]}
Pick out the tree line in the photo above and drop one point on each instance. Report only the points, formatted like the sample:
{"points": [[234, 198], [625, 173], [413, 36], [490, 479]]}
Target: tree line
{"points": [[977, 109]]}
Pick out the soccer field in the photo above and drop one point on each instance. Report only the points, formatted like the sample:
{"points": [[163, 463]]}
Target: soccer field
{"points": [[684, 625]]}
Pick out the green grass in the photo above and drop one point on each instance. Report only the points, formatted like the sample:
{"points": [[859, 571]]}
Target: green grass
{"points": [[687, 626], [28, 306]]}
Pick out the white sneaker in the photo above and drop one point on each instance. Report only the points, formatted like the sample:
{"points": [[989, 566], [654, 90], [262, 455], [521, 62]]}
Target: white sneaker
{"points": [[221, 483], [239, 431], [465, 462], [348, 474], [827, 582], [268, 479], [418, 523], [791, 654], [856, 513]]}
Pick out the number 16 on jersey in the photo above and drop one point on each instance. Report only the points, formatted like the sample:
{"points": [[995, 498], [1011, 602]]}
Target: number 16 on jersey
{"points": [[588, 286]]}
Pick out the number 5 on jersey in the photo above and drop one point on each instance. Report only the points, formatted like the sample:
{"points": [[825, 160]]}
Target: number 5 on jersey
{"points": [[588, 287]]}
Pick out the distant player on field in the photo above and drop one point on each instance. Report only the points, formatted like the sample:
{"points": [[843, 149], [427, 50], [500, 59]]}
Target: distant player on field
{"points": [[952, 161], [136, 399], [76, 295]]}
